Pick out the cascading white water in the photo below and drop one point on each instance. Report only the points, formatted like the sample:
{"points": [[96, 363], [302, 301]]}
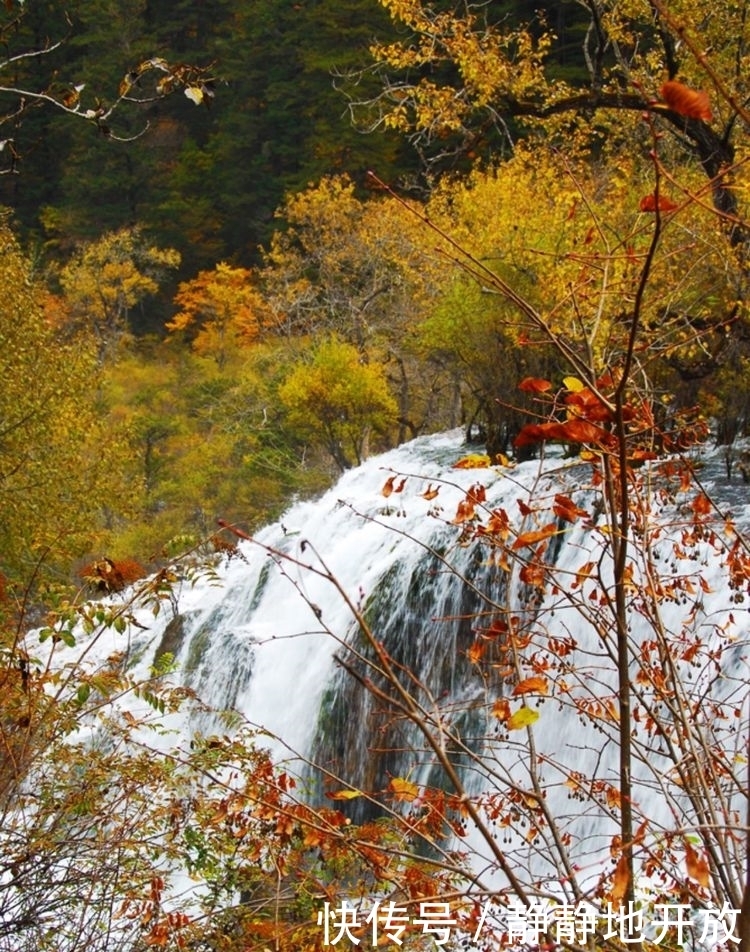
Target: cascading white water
{"points": [[265, 634]]}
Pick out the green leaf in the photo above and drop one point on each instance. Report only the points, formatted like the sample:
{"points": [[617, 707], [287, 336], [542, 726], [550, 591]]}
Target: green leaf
{"points": [[82, 694]]}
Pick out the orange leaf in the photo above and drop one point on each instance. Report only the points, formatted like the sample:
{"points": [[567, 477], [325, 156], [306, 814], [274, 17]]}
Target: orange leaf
{"points": [[572, 431], [430, 493], [501, 709], [533, 685], [650, 203], [534, 385], [498, 524], [581, 431], [477, 493], [464, 512], [533, 575], [697, 867], [586, 403], [537, 535], [688, 102], [620, 880], [474, 652], [388, 486], [701, 505], [400, 487]]}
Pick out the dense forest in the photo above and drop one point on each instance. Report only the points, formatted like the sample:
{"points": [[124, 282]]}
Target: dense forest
{"points": [[191, 187], [246, 246]]}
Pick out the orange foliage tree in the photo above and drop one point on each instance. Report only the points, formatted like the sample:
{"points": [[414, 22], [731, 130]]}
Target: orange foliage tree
{"points": [[219, 311]]}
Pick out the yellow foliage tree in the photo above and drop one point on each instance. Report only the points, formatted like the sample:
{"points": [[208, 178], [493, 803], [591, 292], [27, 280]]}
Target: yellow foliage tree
{"points": [[59, 457], [107, 278], [361, 269], [337, 400]]}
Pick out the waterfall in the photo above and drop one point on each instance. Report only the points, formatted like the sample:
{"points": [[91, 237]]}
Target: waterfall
{"points": [[270, 635]]}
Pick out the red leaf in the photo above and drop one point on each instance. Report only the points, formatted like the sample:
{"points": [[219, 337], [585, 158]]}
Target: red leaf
{"points": [[477, 493], [581, 431], [566, 509], [701, 505], [572, 431], [650, 203], [692, 103], [586, 404], [533, 574], [534, 385]]}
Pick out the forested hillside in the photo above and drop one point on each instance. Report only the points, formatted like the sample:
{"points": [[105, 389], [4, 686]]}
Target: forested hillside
{"points": [[190, 184]]}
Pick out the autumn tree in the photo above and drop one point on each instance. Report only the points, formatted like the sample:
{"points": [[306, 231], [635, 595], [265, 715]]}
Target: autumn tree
{"points": [[219, 311], [59, 457], [338, 400], [106, 279], [465, 83], [359, 268]]}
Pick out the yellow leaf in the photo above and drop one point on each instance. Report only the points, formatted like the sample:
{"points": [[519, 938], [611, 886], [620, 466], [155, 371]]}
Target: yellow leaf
{"points": [[523, 717], [344, 794], [194, 94], [403, 789], [573, 384], [473, 461]]}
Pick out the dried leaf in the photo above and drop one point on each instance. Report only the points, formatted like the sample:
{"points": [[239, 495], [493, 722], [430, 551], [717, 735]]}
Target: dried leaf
{"points": [[701, 505], [473, 461], [565, 508], [343, 794], [464, 512], [501, 709], [194, 94], [620, 880], [388, 486], [474, 652], [585, 403], [430, 493], [533, 574]]}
